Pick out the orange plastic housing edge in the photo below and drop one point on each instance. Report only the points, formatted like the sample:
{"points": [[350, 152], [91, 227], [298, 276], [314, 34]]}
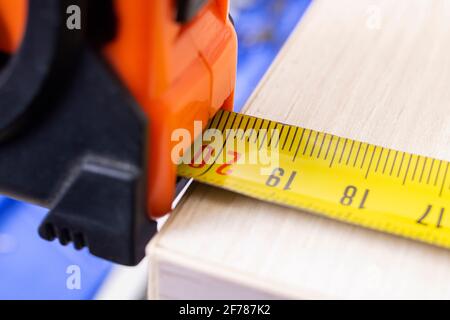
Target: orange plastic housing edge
{"points": [[178, 73], [12, 24]]}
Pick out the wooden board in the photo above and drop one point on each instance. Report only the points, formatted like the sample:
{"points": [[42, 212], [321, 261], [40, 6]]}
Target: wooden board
{"points": [[372, 70]]}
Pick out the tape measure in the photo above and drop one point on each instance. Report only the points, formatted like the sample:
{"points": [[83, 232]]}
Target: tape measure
{"points": [[367, 185]]}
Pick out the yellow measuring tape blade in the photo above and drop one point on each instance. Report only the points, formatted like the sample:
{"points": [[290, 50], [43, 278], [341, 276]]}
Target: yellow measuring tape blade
{"points": [[347, 180]]}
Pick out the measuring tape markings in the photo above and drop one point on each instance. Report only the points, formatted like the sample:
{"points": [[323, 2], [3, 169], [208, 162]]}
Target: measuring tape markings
{"points": [[337, 177]]}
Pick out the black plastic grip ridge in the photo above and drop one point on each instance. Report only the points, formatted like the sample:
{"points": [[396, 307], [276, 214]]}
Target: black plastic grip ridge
{"points": [[73, 139]]}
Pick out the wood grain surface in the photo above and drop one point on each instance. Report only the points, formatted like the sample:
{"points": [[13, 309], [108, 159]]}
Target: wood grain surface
{"points": [[372, 70]]}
